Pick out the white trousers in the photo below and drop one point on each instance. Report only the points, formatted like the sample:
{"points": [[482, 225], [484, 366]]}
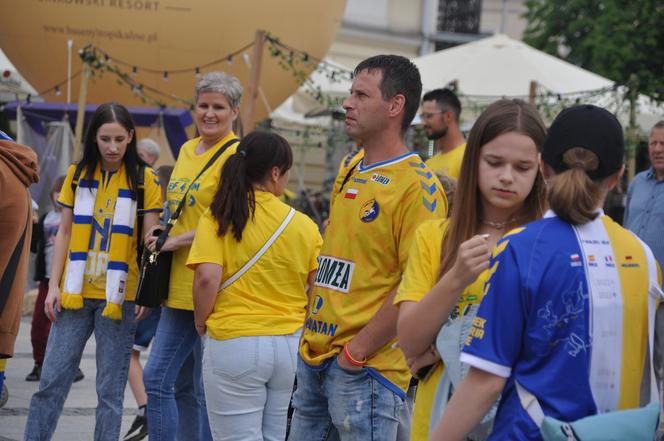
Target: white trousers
{"points": [[248, 384]]}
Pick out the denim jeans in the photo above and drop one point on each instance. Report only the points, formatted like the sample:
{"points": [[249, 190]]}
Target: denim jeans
{"points": [[64, 349], [248, 386], [334, 404], [173, 383]]}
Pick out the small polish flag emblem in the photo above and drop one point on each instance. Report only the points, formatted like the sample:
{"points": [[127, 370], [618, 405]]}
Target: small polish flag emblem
{"points": [[574, 258], [351, 193]]}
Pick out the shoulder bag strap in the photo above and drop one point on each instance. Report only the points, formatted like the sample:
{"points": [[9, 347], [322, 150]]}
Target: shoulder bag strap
{"points": [[7, 279], [260, 252], [176, 214], [140, 212], [654, 294]]}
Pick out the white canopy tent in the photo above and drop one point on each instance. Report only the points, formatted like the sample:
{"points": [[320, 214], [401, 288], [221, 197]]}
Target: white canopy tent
{"points": [[12, 84], [500, 66], [301, 107]]}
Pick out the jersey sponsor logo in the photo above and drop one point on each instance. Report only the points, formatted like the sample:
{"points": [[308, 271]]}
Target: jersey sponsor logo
{"points": [[369, 211], [321, 327], [335, 274], [383, 180], [317, 305], [360, 180], [351, 193]]}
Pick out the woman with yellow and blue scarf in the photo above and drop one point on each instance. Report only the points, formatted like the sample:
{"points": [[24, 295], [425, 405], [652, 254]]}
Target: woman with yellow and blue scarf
{"points": [[94, 272]]}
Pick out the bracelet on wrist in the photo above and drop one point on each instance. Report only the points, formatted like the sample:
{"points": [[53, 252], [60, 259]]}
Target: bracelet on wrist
{"points": [[351, 360]]}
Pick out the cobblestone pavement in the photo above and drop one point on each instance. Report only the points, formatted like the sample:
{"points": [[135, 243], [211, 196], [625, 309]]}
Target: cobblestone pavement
{"points": [[77, 420]]}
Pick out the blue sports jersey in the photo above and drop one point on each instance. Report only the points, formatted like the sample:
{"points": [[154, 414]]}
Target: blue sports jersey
{"points": [[534, 323], [5, 136]]}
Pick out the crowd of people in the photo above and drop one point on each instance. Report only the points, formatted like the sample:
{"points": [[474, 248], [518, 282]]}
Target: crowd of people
{"points": [[482, 294]]}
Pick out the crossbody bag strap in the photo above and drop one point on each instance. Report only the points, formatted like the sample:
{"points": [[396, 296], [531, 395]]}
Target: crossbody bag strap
{"points": [[654, 294], [8, 276], [260, 252], [176, 214]]}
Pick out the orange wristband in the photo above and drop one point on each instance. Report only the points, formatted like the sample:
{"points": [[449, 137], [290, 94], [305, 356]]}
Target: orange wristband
{"points": [[351, 360]]}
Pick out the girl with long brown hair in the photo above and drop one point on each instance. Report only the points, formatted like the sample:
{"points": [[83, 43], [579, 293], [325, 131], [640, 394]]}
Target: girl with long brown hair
{"points": [[565, 329], [500, 187]]}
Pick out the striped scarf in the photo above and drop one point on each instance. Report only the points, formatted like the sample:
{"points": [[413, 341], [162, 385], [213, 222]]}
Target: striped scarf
{"points": [[122, 231]]}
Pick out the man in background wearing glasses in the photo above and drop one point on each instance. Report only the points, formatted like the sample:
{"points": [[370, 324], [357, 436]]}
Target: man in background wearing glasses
{"points": [[440, 118]]}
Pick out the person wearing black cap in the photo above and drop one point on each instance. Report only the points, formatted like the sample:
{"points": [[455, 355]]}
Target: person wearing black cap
{"points": [[563, 329]]}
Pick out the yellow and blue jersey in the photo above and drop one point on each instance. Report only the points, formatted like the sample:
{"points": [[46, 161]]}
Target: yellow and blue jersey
{"points": [[372, 226], [535, 322]]}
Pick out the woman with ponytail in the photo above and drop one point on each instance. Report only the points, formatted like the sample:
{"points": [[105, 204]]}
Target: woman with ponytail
{"points": [[564, 327], [254, 258]]}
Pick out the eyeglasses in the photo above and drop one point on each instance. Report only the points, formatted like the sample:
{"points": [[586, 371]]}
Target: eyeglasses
{"points": [[429, 115]]}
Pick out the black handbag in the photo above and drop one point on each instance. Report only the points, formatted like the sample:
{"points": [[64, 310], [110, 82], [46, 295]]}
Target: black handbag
{"points": [[154, 276]]}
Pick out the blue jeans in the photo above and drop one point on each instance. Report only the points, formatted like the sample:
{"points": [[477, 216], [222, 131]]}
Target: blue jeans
{"points": [[146, 329], [333, 404], [173, 382], [248, 385], [66, 341]]}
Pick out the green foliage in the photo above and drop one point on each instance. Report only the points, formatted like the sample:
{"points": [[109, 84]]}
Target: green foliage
{"points": [[613, 38]]}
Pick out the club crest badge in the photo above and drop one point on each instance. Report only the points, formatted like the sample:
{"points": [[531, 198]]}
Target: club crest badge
{"points": [[369, 211]]}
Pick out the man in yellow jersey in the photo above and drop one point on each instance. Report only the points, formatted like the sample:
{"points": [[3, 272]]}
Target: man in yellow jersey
{"points": [[351, 378], [440, 117]]}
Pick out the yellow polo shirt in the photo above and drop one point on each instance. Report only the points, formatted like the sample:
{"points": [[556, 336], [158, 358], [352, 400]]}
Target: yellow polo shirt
{"points": [[270, 298], [187, 167]]}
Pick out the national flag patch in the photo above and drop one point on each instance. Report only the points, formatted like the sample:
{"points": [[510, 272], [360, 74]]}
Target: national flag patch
{"points": [[591, 260], [351, 193], [575, 260], [608, 261]]}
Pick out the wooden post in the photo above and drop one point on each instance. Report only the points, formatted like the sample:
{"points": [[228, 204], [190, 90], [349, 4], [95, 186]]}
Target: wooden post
{"points": [[532, 93], [249, 123], [632, 138], [80, 115]]}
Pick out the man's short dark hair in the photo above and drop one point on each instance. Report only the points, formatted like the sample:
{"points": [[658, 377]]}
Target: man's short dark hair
{"points": [[446, 100], [400, 76]]}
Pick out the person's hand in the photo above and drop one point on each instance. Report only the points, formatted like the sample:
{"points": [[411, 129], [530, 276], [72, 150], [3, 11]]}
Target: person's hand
{"points": [[142, 312], [344, 363], [427, 358], [52, 302], [150, 238], [472, 258], [171, 244], [201, 329]]}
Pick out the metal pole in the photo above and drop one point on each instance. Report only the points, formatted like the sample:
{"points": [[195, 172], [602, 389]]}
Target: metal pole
{"points": [[249, 122], [80, 116]]}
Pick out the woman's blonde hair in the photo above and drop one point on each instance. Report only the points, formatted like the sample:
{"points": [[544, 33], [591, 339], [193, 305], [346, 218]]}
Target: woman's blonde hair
{"points": [[573, 196]]}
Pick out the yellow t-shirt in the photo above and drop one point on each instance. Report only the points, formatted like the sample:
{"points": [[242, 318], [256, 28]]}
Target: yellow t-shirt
{"points": [[270, 298], [347, 162], [448, 163], [366, 245], [420, 276], [187, 167], [94, 281]]}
